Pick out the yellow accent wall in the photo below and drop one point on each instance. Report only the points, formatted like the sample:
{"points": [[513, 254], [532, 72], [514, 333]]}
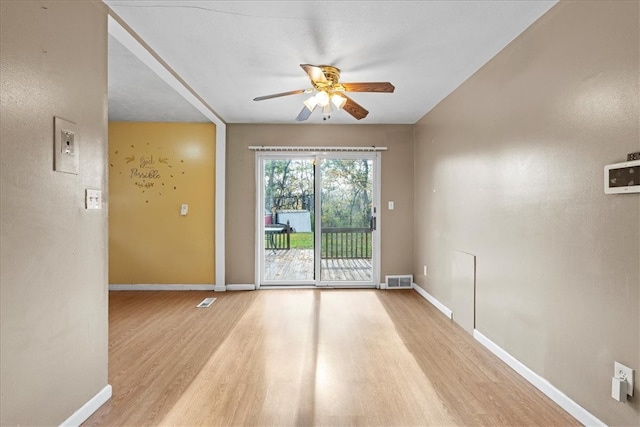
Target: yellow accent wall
{"points": [[154, 168]]}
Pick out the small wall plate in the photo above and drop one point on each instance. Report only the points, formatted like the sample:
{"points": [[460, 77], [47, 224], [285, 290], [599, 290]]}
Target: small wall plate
{"points": [[625, 373], [65, 146], [93, 199]]}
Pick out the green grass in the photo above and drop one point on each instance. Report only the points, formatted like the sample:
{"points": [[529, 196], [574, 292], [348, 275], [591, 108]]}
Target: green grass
{"points": [[301, 240]]}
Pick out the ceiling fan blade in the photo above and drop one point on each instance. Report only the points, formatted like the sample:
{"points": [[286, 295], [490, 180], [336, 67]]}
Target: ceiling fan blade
{"points": [[277, 95], [304, 114], [355, 109], [385, 87], [315, 73]]}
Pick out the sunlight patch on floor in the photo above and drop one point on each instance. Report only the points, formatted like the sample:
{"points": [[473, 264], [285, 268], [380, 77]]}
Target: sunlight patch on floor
{"points": [[312, 357]]}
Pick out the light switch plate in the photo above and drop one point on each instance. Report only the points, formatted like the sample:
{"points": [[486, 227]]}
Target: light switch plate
{"points": [[65, 146], [93, 199]]}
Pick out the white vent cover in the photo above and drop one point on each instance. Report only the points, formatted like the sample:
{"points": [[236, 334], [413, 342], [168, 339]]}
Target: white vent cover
{"points": [[206, 302], [399, 282]]}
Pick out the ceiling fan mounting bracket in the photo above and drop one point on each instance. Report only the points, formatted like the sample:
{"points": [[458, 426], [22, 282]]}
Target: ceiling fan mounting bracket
{"points": [[332, 76]]}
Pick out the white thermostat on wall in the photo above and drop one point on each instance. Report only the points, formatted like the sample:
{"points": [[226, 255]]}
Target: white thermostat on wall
{"points": [[621, 178]]}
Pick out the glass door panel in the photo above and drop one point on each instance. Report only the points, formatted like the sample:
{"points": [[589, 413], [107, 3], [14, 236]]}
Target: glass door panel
{"points": [[288, 190], [347, 220]]}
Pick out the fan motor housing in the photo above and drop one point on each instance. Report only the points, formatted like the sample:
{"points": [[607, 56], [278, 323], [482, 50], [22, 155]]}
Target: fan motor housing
{"points": [[332, 74]]}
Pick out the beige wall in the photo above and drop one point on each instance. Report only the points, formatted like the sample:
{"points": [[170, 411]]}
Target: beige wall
{"points": [[397, 185], [154, 168], [510, 168], [53, 253]]}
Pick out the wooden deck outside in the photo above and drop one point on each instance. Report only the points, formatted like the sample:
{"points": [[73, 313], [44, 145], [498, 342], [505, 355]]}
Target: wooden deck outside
{"points": [[297, 264]]}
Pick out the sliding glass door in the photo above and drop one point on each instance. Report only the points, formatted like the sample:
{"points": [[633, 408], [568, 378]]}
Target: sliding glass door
{"points": [[347, 220], [316, 220], [288, 220]]}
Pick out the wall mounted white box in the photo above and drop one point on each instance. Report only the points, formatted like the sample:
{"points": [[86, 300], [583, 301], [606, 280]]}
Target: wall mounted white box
{"points": [[65, 146], [621, 178]]}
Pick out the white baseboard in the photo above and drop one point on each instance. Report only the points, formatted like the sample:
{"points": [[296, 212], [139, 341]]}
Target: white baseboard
{"points": [[220, 288], [163, 287], [576, 411], [238, 287], [286, 287], [437, 304], [82, 414]]}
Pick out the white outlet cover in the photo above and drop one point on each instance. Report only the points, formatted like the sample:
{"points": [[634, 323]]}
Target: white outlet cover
{"points": [[621, 371]]}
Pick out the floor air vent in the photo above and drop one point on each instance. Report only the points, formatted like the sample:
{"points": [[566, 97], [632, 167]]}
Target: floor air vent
{"points": [[399, 282], [206, 302]]}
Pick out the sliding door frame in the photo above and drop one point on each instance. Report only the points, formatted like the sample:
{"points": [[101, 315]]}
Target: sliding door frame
{"points": [[260, 156], [375, 207], [259, 218]]}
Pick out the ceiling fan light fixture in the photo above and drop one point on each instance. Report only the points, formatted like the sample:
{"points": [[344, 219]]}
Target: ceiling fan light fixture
{"points": [[328, 93], [311, 103], [323, 98], [338, 100]]}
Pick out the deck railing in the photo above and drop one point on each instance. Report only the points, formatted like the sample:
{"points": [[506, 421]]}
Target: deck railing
{"points": [[342, 243], [337, 242]]}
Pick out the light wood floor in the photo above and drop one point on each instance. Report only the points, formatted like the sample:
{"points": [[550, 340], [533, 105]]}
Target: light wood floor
{"points": [[305, 357]]}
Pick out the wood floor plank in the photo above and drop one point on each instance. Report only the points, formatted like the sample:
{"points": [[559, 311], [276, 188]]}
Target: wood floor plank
{"points": [[305, 357]]}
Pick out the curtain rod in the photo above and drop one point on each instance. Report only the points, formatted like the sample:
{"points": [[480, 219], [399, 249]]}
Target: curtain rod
{"points": [[320, 149]]}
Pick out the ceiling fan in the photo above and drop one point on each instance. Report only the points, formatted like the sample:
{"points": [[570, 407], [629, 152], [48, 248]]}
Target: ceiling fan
{"points": [[330, 93]]}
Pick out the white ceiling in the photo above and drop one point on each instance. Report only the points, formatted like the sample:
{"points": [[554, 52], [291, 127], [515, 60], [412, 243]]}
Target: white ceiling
{"points": [[137, 94], [229, 52]]}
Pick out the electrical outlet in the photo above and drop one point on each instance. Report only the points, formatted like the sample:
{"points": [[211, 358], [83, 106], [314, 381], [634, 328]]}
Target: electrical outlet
{"points": [[424, 268], [624, 373]]}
